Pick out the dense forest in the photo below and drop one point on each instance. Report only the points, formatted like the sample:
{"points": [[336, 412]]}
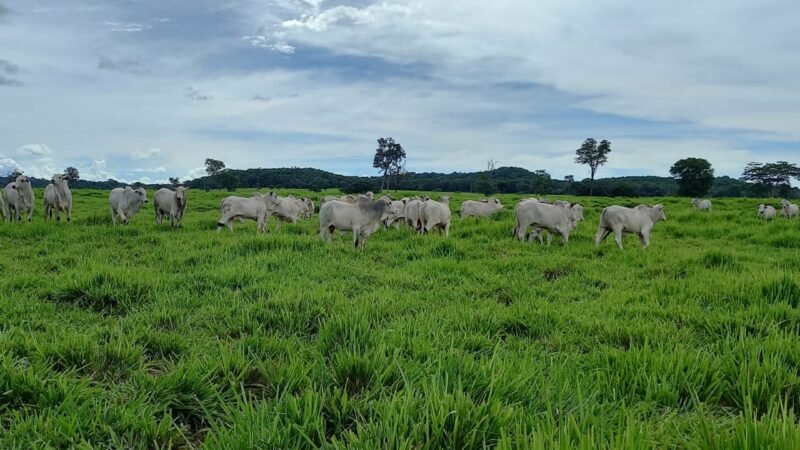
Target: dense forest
{"points": [[501, 180]]}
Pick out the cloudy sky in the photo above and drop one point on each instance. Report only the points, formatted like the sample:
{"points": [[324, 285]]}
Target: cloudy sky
{"points": [[147, 89]]}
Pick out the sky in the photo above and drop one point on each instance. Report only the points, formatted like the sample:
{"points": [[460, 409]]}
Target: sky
{"points": [[147, 89]]}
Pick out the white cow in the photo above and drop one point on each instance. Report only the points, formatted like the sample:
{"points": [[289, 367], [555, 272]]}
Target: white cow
{"points": [[287, 209], [399, 215], [766, 212], [574, 212], [19, 198], [258, 207], [789, 209], [554, 219], [703, 204], [480, 208], [362, 218], [172, 203], [436, 215], [124, 203], [58, 197], [639, 220], [413, 212]]}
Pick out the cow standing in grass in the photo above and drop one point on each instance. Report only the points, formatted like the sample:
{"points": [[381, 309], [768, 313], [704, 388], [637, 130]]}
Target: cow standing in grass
{"points": [[258, 208], [362, 218], [287, 209], [789, 209], [766, 212], [480, 208], [124, 203], [436, 215], [58, 197], [172, 203], [19, 197], [542, 217], [701, 204], [639, 220]]}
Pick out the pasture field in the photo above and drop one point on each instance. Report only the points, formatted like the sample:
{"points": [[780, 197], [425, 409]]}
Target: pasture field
{"points": [[148, 337]]}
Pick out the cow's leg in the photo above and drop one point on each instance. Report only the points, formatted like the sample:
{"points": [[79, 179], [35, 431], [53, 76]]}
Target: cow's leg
{"points": [[447, 229], [355, 236], [69, 214], [618, 237], [601, 235], [121, 215], [30, 214], [645, 238], [58, 213], [549, 238]]}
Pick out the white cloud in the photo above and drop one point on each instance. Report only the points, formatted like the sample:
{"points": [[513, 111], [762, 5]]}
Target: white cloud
{"points": [[146, 154], [97, 171], [8, 165], [35, 150], [159, 169], [131, 27]]}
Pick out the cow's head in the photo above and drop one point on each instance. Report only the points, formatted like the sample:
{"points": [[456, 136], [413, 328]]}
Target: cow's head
{"points": [[141, 194], [658, 214], [576, 212], [180, 195]]}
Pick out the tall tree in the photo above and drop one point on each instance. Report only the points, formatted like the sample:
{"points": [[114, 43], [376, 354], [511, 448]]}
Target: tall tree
{"points": [[72, 173], [771, 177], [214, 166], [175, 181], [695, 176], [390, 160], [593, 155]]}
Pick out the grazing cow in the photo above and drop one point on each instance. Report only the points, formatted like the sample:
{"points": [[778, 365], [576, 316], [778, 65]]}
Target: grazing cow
{"points": [[552, 218], [287, 209], [482, 208], [124, 203], [19, 198], [362, 218], [789, 209], [702, 204], [436, 215], [766, 212], [172, 203], [639, 220], [258, 207], [574, 212], [399, 215]]}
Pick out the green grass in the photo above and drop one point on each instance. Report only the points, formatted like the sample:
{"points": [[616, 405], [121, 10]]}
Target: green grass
{"points": [[148, 337]]}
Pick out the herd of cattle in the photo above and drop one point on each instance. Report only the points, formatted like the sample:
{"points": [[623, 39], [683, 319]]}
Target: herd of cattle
{"points": [[362, 215]]}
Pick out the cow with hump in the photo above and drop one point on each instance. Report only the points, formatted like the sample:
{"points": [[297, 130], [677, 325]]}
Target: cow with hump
{"points": [[554, 218], [639, 220], [170, 203], [362, 218], [124, 203], [19, 198], [258, 208]]}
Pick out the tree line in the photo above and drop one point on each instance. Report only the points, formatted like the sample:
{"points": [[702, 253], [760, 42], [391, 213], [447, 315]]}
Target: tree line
{"points": [[692, 177]]}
